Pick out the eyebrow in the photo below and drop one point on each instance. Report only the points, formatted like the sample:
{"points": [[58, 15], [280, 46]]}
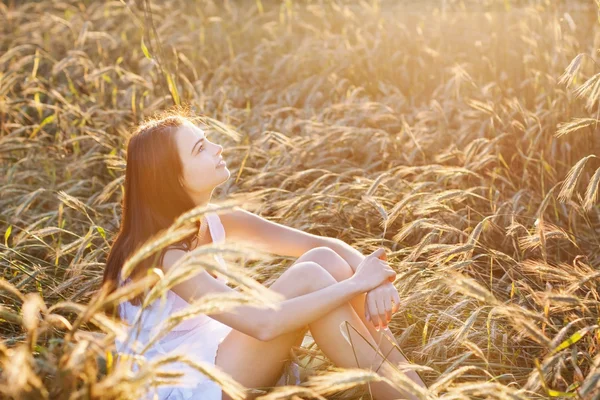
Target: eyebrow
{"points": [[200, 140]]}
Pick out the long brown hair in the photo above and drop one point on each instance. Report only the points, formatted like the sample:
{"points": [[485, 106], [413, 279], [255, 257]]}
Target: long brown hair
{"points": [[153, 197]]}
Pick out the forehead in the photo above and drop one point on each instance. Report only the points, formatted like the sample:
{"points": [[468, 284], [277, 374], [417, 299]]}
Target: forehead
{"points": [[188, 134]]}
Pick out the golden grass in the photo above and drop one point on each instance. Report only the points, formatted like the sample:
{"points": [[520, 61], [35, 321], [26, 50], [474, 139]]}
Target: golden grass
{"points": [[462, 136]]}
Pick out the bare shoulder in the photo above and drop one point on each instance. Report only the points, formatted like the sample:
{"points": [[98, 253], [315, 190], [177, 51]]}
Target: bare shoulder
{"points": [[233, 212], [235, 222], [171, 257]]}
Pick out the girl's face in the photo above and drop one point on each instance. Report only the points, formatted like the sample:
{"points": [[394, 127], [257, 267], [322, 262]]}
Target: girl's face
{"points": [[201, 162]]}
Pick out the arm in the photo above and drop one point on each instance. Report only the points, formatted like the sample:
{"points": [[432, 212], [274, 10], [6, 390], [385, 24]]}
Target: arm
{"points": [[352, 256], [283, 240], [280, 239], [378, 306], [263, 323], [266, 235], [298, 312]]}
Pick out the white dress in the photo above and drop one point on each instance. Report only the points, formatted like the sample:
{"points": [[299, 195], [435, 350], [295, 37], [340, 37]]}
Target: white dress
{"points": [[197, 338]]}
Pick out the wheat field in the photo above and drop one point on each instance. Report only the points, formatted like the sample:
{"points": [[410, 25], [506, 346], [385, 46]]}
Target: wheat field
{"points": [[460, 135]]}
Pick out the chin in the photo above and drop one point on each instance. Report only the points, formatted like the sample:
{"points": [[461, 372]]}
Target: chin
{"points": [[227, 175]]}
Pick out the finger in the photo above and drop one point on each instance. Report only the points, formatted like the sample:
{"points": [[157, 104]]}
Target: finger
{"points": [[382, 256], [374, 313], [396, 298], [387, 301], [392, 276], [378, 253], [381, 312], [367, 315]]}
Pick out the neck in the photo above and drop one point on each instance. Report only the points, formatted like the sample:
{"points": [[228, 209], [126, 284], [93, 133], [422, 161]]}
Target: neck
{"points": [[201, 199]]}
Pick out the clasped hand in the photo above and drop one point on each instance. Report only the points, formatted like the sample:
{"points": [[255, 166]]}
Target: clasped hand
{"points": [[378, 305], [377, 275]]}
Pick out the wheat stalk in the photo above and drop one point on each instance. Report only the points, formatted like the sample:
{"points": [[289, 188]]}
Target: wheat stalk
{"points": [[571, 180]]}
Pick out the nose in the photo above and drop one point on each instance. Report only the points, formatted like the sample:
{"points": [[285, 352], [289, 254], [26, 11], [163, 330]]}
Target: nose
{"points": [[220, 149]]}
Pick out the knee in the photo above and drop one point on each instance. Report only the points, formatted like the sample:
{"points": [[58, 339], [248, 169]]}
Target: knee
{"points": [[312, 276], [331, 261]]}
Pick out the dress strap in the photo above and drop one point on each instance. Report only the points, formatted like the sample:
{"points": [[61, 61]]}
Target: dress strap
{"points": [[217, 231]]}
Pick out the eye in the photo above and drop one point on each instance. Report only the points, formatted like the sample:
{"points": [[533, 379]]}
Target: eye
{"points": [[200, 148]]}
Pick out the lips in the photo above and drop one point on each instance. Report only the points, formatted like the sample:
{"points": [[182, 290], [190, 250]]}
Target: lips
{"points": [[221, 163]]}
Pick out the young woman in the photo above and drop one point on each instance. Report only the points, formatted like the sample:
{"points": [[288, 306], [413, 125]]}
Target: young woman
{"points": [[173, 167]]}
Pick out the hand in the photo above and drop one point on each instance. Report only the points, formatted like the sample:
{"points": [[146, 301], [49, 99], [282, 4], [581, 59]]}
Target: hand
{"points": [[373, 271], [378, 305]]}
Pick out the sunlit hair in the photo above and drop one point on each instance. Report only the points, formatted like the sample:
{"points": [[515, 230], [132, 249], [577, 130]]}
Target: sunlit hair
{"points": [[153, 197]]}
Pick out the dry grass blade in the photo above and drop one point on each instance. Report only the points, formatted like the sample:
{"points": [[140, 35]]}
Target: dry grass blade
{"points": [[475, 350], [542, 208], [379, 207], [543, 232], [193, 263], [462, 333], [6, 286], [99, 319], [469, 287], [386, 367], [444, 143], [590, 386], [570, 72], [31, 309], [395, 211], [489, 390], [208, 304], [10, 316], [590, 90], [574, 338], [154, 245], [450, 252], [228, 384], [338, 379], [18, 372], [376, 184], [130, 290], [406, 230], [591, 193], [72, 202], [571, 180], [574, 125], [446, 380], [221, 127], [291, 392], [526, 326], [399, 379]]}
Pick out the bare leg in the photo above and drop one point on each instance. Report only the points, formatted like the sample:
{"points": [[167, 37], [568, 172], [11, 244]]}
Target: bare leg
{"points": [[340, 270], [238, 351], [327, 335]]}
